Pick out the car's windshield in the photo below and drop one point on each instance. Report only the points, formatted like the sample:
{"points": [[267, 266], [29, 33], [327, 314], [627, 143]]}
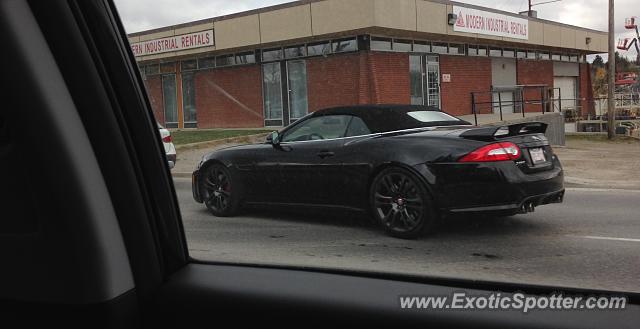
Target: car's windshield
{"points": [[292, 135]]}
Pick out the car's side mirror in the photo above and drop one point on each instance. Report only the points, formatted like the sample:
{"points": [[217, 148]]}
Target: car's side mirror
{"points": [[274, 138]]}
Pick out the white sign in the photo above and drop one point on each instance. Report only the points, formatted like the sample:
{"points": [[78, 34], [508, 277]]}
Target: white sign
{"points": [[485, 22], [446, 78], [175, 43]]}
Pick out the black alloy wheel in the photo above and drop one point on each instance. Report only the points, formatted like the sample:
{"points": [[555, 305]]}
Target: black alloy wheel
{"points": [[401, 204], [220, 196]]}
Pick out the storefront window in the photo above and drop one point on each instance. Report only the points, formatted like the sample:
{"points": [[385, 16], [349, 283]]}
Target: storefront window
{"points": [[207, 62], [318, 49], [456, 49], [345, 45], [187, 65], [189, 100], [224, 60], [380, 44], [168, 67], [401, 45], [272, 89], [439, 48], [293, 52], [507, 52], [246, 58], [297, 78], [152, 69], [422, 46], [269, 55], [170, 101], [415, 74]]}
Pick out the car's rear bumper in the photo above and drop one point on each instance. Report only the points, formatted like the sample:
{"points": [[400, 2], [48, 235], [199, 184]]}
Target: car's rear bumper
{"points": [[494, 187], [195, 186]]}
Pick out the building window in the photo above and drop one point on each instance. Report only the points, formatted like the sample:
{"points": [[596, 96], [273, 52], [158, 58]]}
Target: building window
{"points": [[269, 55], [246, 58], [402, 45], [295, 51], [188, 65], [344, 45], [531, 55], [380, 44], [170, 101], [573, 58], [152, 69], [495, 52], [564, 58], [472, 50], [272, 90], [189, 100], [319, 49], [508, 52], [543, 55], [422, 46], [415, 75], [225, 60], [456, 49], [207, 62], [439, 48], [521, 54], [555, 57], [168, 67], [482, 51]]}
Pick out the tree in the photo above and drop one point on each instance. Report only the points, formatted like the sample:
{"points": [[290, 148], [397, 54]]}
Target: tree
{"points": [[598, 61]]}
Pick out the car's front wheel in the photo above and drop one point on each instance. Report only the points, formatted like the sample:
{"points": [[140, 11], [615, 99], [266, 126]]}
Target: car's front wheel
{"points": [[401, 203], [220, 195]]}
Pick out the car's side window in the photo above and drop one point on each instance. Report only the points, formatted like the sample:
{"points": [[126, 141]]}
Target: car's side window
{"points": [[318, 128], [357, 127]]}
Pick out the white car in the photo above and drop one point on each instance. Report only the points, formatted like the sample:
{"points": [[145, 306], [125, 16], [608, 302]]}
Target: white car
{"points": [[169, 148]]}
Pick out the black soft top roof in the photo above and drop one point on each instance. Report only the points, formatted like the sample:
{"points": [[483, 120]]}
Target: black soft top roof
{"points": [[384, 118]]}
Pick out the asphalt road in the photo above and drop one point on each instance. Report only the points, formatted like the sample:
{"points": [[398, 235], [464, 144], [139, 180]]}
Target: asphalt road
{"points": [[592, 240]]}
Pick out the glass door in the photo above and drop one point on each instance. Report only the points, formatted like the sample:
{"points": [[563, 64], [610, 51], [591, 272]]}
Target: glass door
{"points": [[297, 79], [170, 100], [432, 81], [424, 74], [272, 91], [285, 100]]}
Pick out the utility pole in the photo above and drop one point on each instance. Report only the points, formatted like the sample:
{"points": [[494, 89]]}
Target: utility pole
{"points": [[611, 102]]}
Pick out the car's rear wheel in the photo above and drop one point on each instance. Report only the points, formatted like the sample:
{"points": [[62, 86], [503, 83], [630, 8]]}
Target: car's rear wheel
{"points": [[401, 204], [220, 195]]}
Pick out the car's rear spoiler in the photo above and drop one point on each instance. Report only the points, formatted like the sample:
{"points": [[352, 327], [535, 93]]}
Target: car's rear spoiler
{"points": [[492, 132]]}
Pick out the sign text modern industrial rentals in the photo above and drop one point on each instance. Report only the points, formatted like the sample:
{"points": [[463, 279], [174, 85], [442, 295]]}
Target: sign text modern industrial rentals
{"points": [[489, 23], [174, 43]]}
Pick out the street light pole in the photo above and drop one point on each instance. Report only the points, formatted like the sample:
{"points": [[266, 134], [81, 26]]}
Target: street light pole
{"points": [[611, 102]]}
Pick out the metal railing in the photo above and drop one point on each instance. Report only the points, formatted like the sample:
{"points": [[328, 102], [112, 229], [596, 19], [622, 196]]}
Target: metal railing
{"points": [[517, 99]]}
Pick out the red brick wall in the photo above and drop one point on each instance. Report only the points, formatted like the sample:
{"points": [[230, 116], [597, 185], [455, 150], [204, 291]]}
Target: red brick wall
{"points": [[154, 90], [586, 90], [468, 74], [534, 72], [230, 97], [389, 78], [333, 81], [359, 78]]}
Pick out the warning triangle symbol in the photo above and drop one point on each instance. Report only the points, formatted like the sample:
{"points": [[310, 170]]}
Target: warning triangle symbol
{"points": [[460, 20]]}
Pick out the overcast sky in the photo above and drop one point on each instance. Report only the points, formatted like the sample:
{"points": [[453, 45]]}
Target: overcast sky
{"points": [[139, 15]]}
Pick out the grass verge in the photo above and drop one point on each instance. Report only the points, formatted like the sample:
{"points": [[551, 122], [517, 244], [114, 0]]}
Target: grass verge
{"points": [[182, 137]]}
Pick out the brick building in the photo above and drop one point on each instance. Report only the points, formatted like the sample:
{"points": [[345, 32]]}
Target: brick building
{"points": [[271, 66]]}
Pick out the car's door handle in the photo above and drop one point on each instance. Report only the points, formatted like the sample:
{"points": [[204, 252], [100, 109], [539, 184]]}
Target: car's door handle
{"points": [[325, 154]]}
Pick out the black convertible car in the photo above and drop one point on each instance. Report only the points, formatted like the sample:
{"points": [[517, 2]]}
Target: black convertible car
{"points": [[403, 164]]}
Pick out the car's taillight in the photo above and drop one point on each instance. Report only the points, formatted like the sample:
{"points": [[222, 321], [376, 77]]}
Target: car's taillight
{"points": [[504, 151], [167, 139]]}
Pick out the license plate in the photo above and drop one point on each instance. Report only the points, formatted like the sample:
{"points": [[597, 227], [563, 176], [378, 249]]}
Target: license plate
{"points": [[537, 155]]}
